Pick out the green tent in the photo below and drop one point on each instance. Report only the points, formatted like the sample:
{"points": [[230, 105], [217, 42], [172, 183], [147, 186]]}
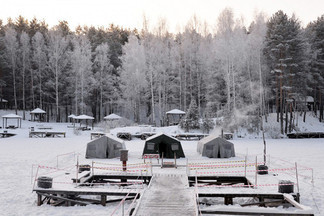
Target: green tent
{"points": [[163, 143]]}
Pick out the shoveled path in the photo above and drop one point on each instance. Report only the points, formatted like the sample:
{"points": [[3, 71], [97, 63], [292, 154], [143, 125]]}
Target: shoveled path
{"points": [[168, 194]]}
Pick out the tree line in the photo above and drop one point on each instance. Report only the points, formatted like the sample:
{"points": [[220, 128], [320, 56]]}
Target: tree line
{"points": [[232, 72]]}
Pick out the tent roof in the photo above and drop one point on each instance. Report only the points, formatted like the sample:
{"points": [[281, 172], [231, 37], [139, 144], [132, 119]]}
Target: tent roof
{"points": [[176, 112], [160, 134], [11, 115], [37, 110], [112, 116], [213, 137], [72, 116], [84, 117]]}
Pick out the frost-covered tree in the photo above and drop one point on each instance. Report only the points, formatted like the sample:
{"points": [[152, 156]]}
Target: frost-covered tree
{"points": [[11, 54], [25, 64], [81, 66], [132, 76], [191, 119], [39, 62], [284, 52], [102, 68], [57, 62], [316, 40]]}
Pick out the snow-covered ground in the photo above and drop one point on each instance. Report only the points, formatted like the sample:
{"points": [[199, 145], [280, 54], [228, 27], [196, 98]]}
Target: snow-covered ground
{"points": [[19, 153]]}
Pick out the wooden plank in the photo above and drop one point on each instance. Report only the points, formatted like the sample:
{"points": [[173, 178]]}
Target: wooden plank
{"points": [[234, 212], [288, 198], [263, 203], [63, 198], [233, 195], [78, 192]]}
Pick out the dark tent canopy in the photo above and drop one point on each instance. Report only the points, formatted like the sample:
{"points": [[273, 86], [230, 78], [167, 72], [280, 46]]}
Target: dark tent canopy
{"points": [[216, 147], [163, 143], [105, 147]]}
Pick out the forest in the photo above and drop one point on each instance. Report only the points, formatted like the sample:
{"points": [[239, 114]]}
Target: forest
{"points": [[228, 71]]}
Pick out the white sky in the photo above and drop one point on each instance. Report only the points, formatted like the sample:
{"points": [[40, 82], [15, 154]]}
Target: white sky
{"points": [[129, 13]]}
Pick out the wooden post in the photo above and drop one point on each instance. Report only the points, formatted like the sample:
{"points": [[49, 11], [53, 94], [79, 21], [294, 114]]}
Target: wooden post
{"points": [[228, 200], [103, 200], [187, 167], [77, 171], [298, 196], [256, 172], [39, 200], [92, 168], [162, 160], [245, 166], [175, 160]]}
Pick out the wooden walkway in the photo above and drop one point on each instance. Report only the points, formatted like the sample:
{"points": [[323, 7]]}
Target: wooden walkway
{"points": [[168, 194]]}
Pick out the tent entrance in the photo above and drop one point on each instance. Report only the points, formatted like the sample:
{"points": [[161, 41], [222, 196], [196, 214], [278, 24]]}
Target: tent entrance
{"points": [[163, 149]]}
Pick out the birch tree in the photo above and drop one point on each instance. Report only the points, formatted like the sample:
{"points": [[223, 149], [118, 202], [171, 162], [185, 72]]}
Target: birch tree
{"points": [[81, 65], [39, 61], [102, 68], [133, 75], [57, 61], [25, 63], [11, 46]]}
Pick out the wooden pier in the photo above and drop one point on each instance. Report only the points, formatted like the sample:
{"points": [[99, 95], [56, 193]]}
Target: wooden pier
{"points": [[87, 187], [305, 135]]}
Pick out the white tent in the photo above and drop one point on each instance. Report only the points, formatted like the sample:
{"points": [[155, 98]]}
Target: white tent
{"points": [[112, 117], [72, 116], [11, 116]]}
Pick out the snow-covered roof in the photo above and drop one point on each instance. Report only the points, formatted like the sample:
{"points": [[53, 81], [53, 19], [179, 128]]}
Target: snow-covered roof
{"points": [[112, 116], [3, 100], [159, 134], [309, 99], [176, 112], [37, 110], [11, 115], [84, 117], [72, 116]]}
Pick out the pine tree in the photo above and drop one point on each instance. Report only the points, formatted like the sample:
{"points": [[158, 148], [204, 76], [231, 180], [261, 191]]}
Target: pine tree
{"points": [[191, 119]]}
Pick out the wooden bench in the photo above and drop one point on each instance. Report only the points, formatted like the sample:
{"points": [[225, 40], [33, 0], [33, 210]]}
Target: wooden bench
{"points": [[43, 134], [190, 136], [124, 135]]}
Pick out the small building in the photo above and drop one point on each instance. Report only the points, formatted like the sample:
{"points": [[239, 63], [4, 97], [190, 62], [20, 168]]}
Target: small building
{"points": [[3, 103], [37, 115], [174, 116], [162, 143], [11, 116], [106, 146], [215, 147]]}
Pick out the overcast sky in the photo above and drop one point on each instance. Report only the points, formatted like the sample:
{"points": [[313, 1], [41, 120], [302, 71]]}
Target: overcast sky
{"points": [[129, 13]]}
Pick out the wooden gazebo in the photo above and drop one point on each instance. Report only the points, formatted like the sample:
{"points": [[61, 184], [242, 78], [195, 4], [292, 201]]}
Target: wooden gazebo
{"points": [[11, 116], [38, 114], [174, 116], [86, 118]]}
